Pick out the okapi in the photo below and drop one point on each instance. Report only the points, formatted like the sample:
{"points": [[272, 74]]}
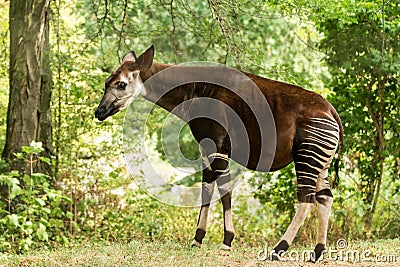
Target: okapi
{"points": [[308, 130]]}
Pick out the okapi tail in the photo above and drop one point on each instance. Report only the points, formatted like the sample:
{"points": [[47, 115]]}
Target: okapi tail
{"points": [[336, 165]]}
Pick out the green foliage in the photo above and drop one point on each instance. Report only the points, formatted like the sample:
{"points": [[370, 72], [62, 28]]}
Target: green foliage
{"points": [[91, 195], [278, 192], [361, 45], [365, 74], [32, 212], [139, 216]]}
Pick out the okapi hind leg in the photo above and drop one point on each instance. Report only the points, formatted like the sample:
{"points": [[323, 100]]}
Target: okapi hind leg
{"points": [[306, 189], [324, 199], [303, 209]]}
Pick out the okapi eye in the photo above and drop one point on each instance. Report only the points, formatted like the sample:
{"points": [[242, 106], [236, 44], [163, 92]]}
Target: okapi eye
{"points": [[121, 85]]}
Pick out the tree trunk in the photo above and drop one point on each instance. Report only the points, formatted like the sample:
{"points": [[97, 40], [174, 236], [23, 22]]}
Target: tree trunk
{"points": [[29, 114], [375, 181]]}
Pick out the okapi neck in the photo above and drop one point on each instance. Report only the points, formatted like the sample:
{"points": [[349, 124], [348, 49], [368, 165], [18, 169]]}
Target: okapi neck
{"points": [[155, 68], [155, 91]]}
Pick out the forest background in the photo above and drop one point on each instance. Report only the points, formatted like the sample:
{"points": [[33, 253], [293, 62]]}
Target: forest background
{"points": [[63, 177]]}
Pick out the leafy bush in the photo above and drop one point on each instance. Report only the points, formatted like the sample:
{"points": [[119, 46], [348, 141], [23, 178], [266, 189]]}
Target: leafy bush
{"points": [[32, 211]]}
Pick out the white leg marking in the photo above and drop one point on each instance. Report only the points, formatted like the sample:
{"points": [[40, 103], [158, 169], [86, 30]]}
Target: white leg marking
{"points": [[203, 218], [218, 155], [323, 209], [207, 191], [301, 213], [224, 183], [323, 218], [228, 220], [206, 163]]}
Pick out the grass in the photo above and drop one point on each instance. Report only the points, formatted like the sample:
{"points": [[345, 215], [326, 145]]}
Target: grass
{"points": [[140, 253]]}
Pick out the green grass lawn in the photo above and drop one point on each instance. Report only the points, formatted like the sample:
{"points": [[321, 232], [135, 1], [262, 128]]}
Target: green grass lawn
{"points": [[139, 253]]}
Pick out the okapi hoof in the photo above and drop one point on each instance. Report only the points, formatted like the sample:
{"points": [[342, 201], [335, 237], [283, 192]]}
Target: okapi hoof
{"points": [[274, 257], [279, 250], [225, 247], [318, 252], [195, 244]]}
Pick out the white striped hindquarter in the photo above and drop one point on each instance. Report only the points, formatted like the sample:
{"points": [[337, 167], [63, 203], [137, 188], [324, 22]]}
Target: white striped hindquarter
{"points": [[313, 150], [316, 145]]}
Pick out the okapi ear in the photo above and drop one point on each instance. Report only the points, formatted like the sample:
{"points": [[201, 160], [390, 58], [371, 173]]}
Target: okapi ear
{"points": [[145, 60], [130, 56]]}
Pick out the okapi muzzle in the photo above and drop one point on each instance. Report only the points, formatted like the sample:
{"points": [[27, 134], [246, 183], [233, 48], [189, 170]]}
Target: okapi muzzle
{"points": [[124, 84], [121, 89], [106, 108]]}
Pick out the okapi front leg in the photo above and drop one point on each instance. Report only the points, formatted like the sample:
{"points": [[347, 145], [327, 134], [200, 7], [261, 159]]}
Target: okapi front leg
{"points": [[220, 168], [207, 191], [225, 190]]}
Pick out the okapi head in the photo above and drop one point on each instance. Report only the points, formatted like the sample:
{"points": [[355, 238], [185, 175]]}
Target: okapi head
{"points": [[125, 83]]}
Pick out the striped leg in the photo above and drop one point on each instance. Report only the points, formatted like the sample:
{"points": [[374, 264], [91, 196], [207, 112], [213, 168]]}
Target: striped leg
{"points": [[215, 168], [307, 175], [207, 191], [324, 199], [220, 167], [316, 146], [327, 133]]}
